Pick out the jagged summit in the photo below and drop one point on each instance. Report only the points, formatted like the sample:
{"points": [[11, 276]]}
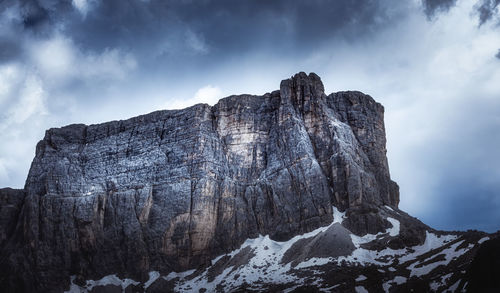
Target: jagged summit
{"points": [[176, 190]]}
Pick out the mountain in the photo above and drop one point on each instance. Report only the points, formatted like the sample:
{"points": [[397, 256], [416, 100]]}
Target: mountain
{"points": [[289, 191]]}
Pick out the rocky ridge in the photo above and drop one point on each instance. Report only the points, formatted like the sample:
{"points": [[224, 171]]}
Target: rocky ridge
{"points": [[179, 200]]}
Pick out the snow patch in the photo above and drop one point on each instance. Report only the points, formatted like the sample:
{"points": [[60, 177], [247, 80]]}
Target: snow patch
{"points": [[360, 289], [360, 278], [329, 289], [398, 280], [153, 276], [181, 275], [386, 256], [107, 280], [73, 288], [386, 286], [394, 231], [432, 241], [449, 253], [314, 261], [438, 283], [483, 239], [338, 217]]}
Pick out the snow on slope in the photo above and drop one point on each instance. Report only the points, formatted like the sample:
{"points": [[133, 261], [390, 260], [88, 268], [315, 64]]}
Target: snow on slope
{"points": [[268, 254], [263, 264], [107, 280], [449, 254]]}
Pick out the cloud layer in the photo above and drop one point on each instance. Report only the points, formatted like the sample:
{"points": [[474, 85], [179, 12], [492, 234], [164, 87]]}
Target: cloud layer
{"points": [[434, 64]]}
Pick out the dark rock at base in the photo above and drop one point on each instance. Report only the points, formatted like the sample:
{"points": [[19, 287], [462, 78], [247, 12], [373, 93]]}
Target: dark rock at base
{"points": [[134, 289], [106, 289], [11, 201], [413, 231], [306, 289], [365, 219], [161, 286], [483, 275], [333, 242]]}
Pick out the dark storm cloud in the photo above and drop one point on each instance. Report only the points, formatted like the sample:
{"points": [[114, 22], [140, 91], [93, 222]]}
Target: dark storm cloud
{"points": [[232, 24], [185, 33], [203, 30], [38, 15], [33, 14], [432, 7], [487, 9]]}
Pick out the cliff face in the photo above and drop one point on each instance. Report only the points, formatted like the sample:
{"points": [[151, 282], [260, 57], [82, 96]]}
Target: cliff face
{"points": [[11, 201], [171, 190]]}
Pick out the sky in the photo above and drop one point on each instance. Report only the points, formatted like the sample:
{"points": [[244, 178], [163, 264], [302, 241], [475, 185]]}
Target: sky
{"points": [[434, 65]]}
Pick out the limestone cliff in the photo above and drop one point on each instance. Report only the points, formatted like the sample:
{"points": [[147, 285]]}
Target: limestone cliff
{"points": [[171, 190]]}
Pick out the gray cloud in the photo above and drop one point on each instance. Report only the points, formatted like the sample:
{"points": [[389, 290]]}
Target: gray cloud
{"points": [[487, 9], [9, 50], [433, 7]]}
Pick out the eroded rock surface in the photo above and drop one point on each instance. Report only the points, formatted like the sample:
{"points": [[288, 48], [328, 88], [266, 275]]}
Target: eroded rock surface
{"points": [[333, 242], [11, 201], [171, 190]]}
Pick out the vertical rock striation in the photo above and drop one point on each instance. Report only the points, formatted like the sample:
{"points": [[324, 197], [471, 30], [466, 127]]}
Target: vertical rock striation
{"points": [[170, 190], [11, 201]]}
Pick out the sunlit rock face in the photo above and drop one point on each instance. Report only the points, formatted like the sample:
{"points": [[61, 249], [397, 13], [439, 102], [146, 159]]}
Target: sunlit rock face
{"points": [[171, 190]]}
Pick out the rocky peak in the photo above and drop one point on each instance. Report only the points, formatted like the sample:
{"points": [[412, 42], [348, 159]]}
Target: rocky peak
{"points": [[300, 89], [171, 190]]}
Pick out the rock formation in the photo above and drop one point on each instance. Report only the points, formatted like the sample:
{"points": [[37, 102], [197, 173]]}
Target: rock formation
{"points": [[172, 190]]}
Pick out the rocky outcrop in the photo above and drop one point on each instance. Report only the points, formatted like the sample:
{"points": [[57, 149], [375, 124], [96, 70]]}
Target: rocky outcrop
{"points": [[484, 271], [11, 201], [170, 190]]}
